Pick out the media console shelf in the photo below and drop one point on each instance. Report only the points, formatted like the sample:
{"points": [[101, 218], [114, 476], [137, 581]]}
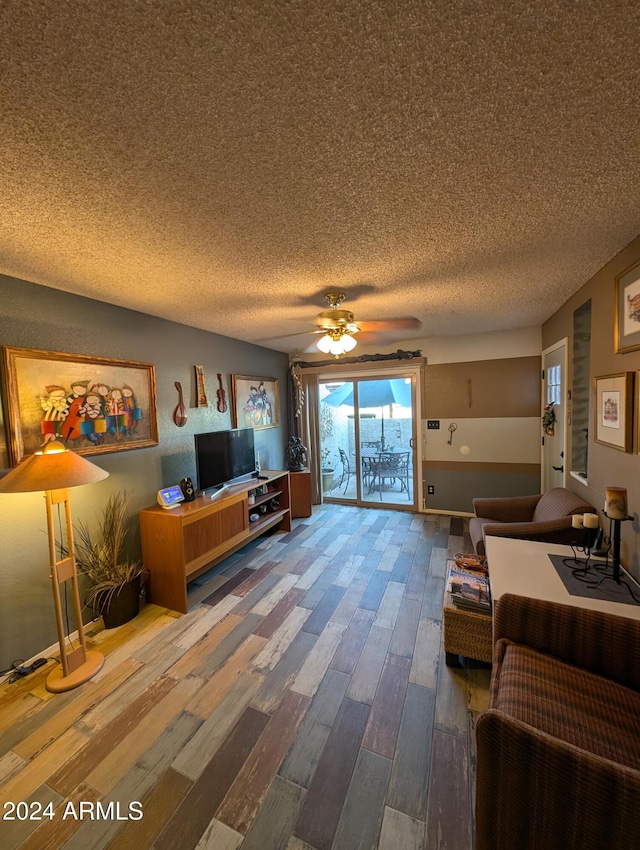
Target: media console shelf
{"points": [[182, 543]]}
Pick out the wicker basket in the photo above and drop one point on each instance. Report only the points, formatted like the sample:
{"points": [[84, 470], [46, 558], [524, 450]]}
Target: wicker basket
{"points": [[477, 563], [466, 632]]}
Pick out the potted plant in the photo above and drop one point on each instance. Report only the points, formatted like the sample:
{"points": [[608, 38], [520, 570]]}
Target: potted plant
{"points": [[114, 576], [327, 470]]}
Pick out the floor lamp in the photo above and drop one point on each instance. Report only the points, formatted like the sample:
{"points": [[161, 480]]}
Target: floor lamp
{"points": [[55, 470]]}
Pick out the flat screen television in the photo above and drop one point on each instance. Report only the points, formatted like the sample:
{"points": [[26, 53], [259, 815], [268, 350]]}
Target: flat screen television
{"points": [[222, 456]]}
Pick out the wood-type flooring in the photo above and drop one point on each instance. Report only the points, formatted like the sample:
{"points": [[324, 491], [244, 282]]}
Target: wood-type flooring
{"points": [[303, 702]]}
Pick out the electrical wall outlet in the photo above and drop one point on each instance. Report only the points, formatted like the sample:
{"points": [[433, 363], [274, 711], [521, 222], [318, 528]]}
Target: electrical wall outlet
{"points": [[431, 490], [433, 424]]}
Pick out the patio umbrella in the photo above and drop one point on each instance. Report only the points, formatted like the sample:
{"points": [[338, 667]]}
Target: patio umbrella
{"points": [[373, 394]]}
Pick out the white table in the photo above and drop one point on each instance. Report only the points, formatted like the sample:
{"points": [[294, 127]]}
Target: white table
{"points": [[523, 567]]}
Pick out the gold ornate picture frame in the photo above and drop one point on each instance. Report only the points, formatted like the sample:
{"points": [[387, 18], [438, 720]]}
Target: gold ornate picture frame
{"points": [[93, 405]]}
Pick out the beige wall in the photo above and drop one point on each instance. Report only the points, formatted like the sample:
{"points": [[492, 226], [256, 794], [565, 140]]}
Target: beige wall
{"points": [[485, 388], [494, 405], [607, 466]]}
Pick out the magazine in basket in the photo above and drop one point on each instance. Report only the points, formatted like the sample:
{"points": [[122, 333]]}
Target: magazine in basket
{"points": [[469, 589]]}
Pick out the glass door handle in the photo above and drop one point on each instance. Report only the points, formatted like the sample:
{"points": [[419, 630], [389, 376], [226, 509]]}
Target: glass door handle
{"points": [[412, 443]]}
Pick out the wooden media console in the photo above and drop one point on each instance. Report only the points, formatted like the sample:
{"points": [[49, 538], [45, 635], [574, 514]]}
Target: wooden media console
{"points": [[182, 543]]}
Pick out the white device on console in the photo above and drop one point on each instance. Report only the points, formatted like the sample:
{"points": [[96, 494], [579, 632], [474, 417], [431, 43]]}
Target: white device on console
{"points": [[169, 497]]}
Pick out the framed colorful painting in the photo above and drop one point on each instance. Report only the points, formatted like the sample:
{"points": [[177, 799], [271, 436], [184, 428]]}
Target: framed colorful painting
{"points": [[255, 402], [628, 310], [93, 405], [613, 411]]}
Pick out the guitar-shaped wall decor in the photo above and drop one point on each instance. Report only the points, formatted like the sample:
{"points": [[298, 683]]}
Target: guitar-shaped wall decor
{"points": [[201, 393], [222, 398], [180, 413]]}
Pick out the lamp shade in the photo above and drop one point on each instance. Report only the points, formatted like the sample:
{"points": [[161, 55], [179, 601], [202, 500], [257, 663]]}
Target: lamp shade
{"points": [[336, 343], [55, 468], [324, 344], [348, 343]]}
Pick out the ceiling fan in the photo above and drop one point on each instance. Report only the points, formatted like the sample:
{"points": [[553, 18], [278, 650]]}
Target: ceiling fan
{"points": [[339, 326]]}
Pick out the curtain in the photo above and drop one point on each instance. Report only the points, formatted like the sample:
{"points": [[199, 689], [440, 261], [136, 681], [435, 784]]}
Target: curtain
{"points": [[309, 433]]}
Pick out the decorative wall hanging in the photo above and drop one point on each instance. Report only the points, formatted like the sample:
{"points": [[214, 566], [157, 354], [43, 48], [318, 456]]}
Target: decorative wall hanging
{"points": [[614, 411], [201, 394], [255, 402], [222, 397], [298, 388], [628, 310], [93, 405], [180, 413], [549, 419], [400, 354]]}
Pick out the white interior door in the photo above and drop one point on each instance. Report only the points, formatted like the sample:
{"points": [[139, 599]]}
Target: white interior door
{"points": [[554, 395]]}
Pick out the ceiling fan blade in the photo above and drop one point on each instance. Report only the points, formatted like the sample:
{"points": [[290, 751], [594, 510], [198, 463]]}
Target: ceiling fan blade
{"points": [[398, 323], [311, 349], [374, 338], [286, 336]]}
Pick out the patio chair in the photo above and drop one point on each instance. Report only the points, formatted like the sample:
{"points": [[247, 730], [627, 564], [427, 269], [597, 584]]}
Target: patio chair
{"points": [[346, 469], [392, 467]]}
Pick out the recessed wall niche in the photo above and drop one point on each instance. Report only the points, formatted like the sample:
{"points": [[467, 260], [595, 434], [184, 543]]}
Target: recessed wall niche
{"points": [[581, 390]]}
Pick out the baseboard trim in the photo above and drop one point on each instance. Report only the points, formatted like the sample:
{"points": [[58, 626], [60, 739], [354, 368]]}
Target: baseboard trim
{"points": [[447, 513]]}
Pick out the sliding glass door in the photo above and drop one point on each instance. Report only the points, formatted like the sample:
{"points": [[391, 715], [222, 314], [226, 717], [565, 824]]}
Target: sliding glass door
{"points": [[368, 437]]}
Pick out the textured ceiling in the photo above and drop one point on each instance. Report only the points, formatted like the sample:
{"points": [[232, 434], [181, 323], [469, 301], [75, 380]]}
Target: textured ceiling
{"points": [[225, 164]]}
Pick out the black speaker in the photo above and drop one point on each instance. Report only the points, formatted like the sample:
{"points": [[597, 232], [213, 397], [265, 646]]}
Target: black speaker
{"points": [[186, 485]]}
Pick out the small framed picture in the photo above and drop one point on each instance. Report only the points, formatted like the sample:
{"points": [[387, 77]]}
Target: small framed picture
{"points": [[613, 411], [628, 310], [255, 402]]}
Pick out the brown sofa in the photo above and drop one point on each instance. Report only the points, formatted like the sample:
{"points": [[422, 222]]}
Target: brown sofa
{"points": [[545, 517], [558, 751]]}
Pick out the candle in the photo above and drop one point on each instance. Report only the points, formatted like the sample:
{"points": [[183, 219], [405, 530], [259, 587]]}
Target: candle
{"points": [[590, 520], [576, 520], [617, 503]]}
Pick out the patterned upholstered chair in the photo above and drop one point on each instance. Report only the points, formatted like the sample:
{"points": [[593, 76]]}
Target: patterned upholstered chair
{"points": [[558, 751], [545, 517]]}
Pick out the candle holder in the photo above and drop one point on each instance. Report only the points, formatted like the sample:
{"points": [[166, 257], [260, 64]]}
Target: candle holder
{"points": [[613, 572], [580, 566]]}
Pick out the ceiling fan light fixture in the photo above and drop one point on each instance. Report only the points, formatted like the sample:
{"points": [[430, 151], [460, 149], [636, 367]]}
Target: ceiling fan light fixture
{"points": [[348, 342], [324, 344], [336, 341]]}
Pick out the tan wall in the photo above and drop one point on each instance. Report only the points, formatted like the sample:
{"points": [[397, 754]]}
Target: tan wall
{"points": [[487, 388], [607, 466], [495, 448]]}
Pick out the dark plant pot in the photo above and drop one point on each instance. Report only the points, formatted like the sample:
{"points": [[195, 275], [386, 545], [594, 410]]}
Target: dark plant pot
{"points": [[122, 606]]}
